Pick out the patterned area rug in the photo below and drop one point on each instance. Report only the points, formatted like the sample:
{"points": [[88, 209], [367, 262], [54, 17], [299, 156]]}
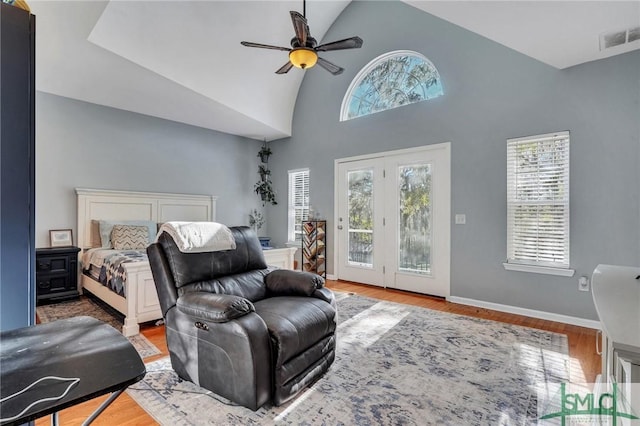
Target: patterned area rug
{"points": [[95, 308], [395, 364]]}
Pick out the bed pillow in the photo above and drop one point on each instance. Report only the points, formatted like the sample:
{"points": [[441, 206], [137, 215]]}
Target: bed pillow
{"points": [[94, 236], [106, 226], [130, 237]]}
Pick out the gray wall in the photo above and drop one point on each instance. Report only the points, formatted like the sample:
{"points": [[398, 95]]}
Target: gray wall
{"points": [[85, 145], [491, 93]]}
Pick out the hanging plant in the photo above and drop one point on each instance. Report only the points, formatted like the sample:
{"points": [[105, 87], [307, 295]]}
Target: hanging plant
{"points": [[264, 153], [264, 187], [266, 192], [264, 172]]}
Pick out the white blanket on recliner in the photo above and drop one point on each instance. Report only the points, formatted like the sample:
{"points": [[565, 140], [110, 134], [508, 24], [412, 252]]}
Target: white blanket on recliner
{"points": [[199, 237]]}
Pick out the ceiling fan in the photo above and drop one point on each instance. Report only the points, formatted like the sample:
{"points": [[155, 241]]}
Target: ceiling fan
{"points": [[303, 52]]}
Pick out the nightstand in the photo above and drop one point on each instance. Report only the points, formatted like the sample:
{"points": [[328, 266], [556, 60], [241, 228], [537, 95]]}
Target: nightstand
{"points": [[56, 273]]}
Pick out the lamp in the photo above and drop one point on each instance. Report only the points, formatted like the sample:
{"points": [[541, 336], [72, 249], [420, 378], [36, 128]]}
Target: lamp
{"points": [[303, 57]]}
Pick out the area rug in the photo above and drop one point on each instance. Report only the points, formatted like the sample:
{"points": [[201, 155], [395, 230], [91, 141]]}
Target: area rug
{"points": [[97, 309], [395, 365]]}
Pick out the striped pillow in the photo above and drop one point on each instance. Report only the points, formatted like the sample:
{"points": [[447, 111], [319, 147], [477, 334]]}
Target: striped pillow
{"points": [[129, 237]]}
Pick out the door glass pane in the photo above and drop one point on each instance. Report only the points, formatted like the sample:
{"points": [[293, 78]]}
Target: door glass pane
{"points": [[360, 226], [414, 233]]}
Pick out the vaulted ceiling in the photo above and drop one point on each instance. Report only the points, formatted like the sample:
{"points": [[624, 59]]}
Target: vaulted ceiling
{"points": [[182, 60]]}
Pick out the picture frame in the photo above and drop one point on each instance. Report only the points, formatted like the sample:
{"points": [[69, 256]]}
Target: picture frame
{"points": [[61, 237]]}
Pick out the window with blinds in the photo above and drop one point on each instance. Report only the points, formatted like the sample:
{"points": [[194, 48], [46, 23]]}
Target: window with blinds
{"points": [[298, 202], [538, 200]]}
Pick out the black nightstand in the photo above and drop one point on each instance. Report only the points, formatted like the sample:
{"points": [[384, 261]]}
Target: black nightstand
{"points": [[56, 273]]}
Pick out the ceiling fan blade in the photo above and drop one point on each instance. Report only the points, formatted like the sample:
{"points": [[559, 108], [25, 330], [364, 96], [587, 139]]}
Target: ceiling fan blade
{"points": [[331, 67], [285, 68], [300, 27], [347, 43], [264, 46]]}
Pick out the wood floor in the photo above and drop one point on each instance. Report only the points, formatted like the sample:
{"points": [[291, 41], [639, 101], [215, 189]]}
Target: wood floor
{"points": [[585, 363]]}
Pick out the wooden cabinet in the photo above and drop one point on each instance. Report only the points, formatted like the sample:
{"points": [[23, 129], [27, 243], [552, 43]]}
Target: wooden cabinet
{"points": [[56, 273], [314, 239]]}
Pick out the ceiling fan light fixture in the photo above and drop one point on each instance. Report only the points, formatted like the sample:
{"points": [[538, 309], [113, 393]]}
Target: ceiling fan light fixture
{"points": [[303, 57], [303, 52]]}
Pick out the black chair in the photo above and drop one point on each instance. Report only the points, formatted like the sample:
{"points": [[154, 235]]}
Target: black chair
{"points": [[243, 330]]}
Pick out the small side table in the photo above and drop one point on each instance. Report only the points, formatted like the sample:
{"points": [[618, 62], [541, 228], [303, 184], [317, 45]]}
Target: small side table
{"points": [[56, 273], [88, 357]]}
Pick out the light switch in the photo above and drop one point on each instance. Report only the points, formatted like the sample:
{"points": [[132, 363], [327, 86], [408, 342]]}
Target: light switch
{"points": [[461, 219]]}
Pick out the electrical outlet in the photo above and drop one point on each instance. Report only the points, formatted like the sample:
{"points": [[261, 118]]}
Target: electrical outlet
{"points": [[461, 219], [583, 284]]}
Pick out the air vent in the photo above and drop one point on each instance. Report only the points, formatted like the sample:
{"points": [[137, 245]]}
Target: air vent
{"points": [[616, 38]]}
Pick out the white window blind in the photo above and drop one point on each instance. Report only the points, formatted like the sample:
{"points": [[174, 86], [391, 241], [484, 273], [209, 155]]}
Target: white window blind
{"points": [[538, 200], [298, 202]]}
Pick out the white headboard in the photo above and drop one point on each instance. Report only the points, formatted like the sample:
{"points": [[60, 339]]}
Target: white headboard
{"points": [[101, 204]]}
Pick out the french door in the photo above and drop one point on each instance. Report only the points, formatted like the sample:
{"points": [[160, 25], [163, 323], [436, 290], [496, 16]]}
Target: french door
{"points": [[393, 219]]}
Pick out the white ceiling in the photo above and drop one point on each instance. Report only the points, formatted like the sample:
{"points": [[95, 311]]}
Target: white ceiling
{"points": [[559, 33], [182, 60]]}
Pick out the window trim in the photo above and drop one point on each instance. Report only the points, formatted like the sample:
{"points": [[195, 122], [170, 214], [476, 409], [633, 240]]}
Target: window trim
{"points": [[563, 272], [291, 238], [532, 265]]}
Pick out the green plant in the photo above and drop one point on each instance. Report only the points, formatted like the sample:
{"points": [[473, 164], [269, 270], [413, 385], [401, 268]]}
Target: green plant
{"points": [[264, 172], [256, 219], [267, 193], [264, 153], [264, 187], [264, 150]]}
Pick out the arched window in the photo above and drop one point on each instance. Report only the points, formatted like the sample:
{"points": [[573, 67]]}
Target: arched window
{"points": [[391, 80]]}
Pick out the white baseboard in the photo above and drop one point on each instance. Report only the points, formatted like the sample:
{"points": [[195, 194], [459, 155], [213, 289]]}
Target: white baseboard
{"points": [[549, 316], [331, 277]]}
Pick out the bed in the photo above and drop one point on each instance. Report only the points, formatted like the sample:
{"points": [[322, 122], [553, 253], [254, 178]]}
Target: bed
{"points": [[141, 302]]}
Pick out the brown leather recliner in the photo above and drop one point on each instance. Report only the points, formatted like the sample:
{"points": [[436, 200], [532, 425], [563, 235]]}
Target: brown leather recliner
{"points": [[238, 328]]}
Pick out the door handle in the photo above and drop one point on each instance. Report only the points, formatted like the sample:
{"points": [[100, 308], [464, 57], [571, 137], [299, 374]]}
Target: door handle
{"points": [[339, 226]]}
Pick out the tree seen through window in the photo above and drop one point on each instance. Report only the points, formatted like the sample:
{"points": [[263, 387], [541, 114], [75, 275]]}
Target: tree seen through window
{"points": [[391, 80]]}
